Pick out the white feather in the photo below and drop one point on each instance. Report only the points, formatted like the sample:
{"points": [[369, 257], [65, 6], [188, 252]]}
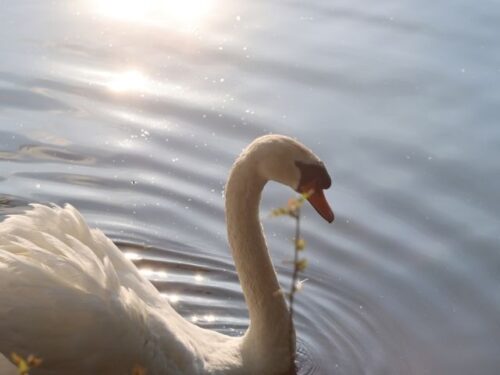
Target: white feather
{"points": [[69, 296]]}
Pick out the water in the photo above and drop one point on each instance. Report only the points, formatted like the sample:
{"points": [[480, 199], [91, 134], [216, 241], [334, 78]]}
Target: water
{"points": [[134, 114]]}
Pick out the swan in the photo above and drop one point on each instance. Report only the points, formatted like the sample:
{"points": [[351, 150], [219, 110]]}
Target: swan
{"points": [[70, 296]]}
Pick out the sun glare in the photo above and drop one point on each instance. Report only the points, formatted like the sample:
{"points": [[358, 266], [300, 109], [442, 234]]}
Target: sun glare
{"points": [[131, 80], [186, 14], [124, 9]]}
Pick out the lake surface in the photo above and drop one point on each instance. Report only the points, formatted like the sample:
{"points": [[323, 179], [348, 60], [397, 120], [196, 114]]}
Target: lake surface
{"points": [[134, 111]]}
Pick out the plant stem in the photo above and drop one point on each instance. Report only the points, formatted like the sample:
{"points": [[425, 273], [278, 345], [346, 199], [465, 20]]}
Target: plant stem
{"points": [[293, 287]]}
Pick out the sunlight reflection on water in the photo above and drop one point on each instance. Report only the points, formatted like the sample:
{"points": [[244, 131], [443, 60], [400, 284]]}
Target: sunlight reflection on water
{"points": [[184, 15], [131, 80]]}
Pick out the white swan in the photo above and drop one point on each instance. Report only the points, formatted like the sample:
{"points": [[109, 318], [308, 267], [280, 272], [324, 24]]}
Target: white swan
{"points": [[68, 294]]}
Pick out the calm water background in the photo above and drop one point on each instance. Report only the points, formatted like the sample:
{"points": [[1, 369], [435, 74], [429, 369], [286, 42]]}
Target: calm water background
{"points": [[134, 115]]}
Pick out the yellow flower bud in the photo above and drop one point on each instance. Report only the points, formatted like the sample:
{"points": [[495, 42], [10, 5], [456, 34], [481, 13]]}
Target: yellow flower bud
{"points": [[301, 264], [300, 244]]}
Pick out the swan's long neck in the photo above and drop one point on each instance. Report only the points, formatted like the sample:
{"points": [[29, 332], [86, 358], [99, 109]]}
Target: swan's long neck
{"points": [[268, 336]]}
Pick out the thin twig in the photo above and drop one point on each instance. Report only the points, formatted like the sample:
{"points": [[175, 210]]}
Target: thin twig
{"points": [[293, 210], [293, 287]]}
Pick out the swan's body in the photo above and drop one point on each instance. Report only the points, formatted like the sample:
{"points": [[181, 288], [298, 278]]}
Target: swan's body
{"points": [[69, 296]]}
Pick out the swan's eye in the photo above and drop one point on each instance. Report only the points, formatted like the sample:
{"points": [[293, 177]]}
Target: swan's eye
{"points": [[313, 175]]}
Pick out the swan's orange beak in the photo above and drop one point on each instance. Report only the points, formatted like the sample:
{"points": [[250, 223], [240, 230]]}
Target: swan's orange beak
{"points": [[318, 201], [314, 179]]}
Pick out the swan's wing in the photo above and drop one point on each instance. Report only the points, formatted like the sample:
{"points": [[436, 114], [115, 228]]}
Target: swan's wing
{"points": [[65, 308], [64, 232], [68, 295]]}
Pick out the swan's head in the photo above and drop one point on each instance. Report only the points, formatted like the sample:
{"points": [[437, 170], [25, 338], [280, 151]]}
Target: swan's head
{"points": [[283, 159]]}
